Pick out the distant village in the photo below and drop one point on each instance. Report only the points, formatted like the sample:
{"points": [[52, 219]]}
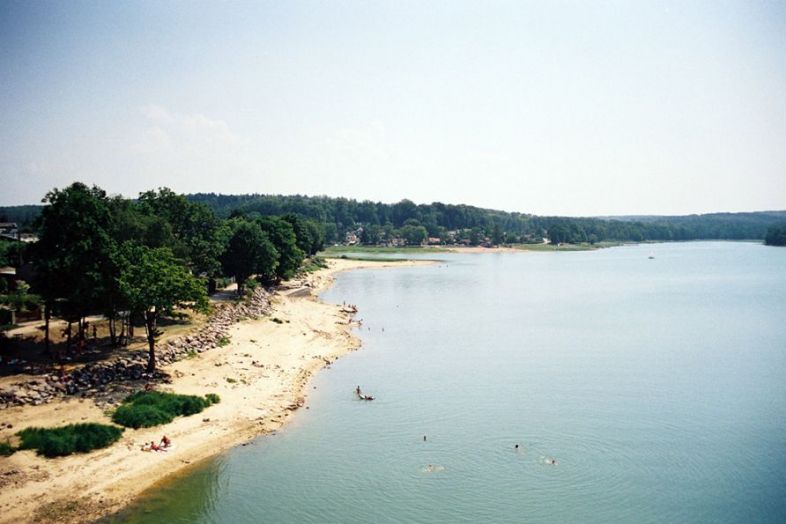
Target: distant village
{"points": [[415, 235]]}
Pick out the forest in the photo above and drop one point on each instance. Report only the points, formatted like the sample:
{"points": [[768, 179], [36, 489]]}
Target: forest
{"points": [[381, 223]]}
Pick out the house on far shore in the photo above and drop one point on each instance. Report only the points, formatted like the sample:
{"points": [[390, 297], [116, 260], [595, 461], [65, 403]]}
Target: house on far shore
{"points": [[351, 239], [434, 241], [9, 230]]}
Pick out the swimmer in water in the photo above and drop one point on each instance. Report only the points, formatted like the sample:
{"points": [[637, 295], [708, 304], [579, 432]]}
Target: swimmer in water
{"points": [[424, 438]]}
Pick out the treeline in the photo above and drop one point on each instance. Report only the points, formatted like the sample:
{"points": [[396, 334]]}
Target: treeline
{"points": [[342, 215], [144, 258], [776, 235], [377, 222]]}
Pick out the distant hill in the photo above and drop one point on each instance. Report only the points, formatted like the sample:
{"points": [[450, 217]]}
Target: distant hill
{"points": [[340, 215]]}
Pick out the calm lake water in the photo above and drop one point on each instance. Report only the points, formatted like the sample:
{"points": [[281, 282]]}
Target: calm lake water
{"points": [[658, 385]]}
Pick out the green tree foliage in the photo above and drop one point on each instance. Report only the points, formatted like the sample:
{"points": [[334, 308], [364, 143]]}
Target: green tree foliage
{"points": [[20, 299], [154, 283], [12, 253], [413, 235], [193, 229], [74, 255], [776, 235], [283, 237], [340, 215], [249, 251], [309, 234], [497, 236]]}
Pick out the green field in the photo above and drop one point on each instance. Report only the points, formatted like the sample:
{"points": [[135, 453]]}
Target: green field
{"points": [[338, 250], [334, 251], [565, 247]]}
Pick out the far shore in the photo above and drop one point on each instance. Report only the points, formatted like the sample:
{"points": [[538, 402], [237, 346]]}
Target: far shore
{"points": [[256, 399], [333, 251]]}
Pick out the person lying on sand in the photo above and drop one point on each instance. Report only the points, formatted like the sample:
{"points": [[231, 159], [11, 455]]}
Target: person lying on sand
{"points": [[153, 447]]}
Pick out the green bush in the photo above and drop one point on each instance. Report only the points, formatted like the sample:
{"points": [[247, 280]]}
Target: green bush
{"points": [[6, 449], [74, 438], [152, 408], [213, 398], [141, 416]]}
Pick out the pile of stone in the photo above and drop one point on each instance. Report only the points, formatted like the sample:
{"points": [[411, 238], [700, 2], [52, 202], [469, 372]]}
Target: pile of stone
{"points": [[91, 380]]}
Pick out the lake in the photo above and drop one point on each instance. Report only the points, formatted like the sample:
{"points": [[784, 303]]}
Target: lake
{"points": [[657, 385]]}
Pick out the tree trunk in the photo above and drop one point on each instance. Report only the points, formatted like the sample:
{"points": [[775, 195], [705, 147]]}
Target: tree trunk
{"points": [[68, 336], [150, 324], [47, 316], [112, 333], [80, 333]]}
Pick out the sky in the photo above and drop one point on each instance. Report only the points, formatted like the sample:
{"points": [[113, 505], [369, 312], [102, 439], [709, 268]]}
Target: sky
{"points": [[575, 108]]}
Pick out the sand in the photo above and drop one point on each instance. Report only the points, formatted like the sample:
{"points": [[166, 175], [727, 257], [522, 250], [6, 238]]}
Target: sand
{"points": [[261, 377]]}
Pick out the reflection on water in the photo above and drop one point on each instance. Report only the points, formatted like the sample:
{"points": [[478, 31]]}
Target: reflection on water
{"points": [[191, 496], [638, 390]]}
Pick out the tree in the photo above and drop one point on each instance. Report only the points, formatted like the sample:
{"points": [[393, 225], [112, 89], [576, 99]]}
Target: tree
{"points": [[154, 283], [309, 235], [194, 228], [776, 235], [281, 233], [475, 236], [73, 257], [248, 252], [496, 235], [413, 235]]}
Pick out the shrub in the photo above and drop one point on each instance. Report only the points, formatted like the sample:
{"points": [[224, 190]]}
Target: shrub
{"points": [[152, 408], [74, 438], [223, 341], [6, 449], [213, 398], [251, 284], [141, 416]]}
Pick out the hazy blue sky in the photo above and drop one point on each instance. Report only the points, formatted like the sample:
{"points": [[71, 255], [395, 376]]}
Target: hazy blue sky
{"points": [[574, 108]]}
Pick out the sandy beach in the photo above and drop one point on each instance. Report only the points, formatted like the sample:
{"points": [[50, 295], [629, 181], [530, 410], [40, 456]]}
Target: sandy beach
{"points": [[261, 376]]}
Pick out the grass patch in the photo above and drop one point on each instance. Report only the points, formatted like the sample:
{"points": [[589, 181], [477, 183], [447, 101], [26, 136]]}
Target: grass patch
{"points": [[276, 320], [312, 264], [230, 380], [223, 341], [565, 247], [372, 258], [333, 250], [152, 408], [74, 438], [6, 449]]}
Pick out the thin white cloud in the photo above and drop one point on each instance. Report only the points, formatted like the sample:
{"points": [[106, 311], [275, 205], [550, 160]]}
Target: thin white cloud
{"points": [[175, 133]]}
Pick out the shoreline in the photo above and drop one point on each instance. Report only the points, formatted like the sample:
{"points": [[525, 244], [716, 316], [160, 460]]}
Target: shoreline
{"points": [[261, 377]]}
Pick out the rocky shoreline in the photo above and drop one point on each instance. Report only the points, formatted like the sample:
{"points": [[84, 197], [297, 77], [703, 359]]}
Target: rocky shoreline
{"points": [[108, 382]]}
